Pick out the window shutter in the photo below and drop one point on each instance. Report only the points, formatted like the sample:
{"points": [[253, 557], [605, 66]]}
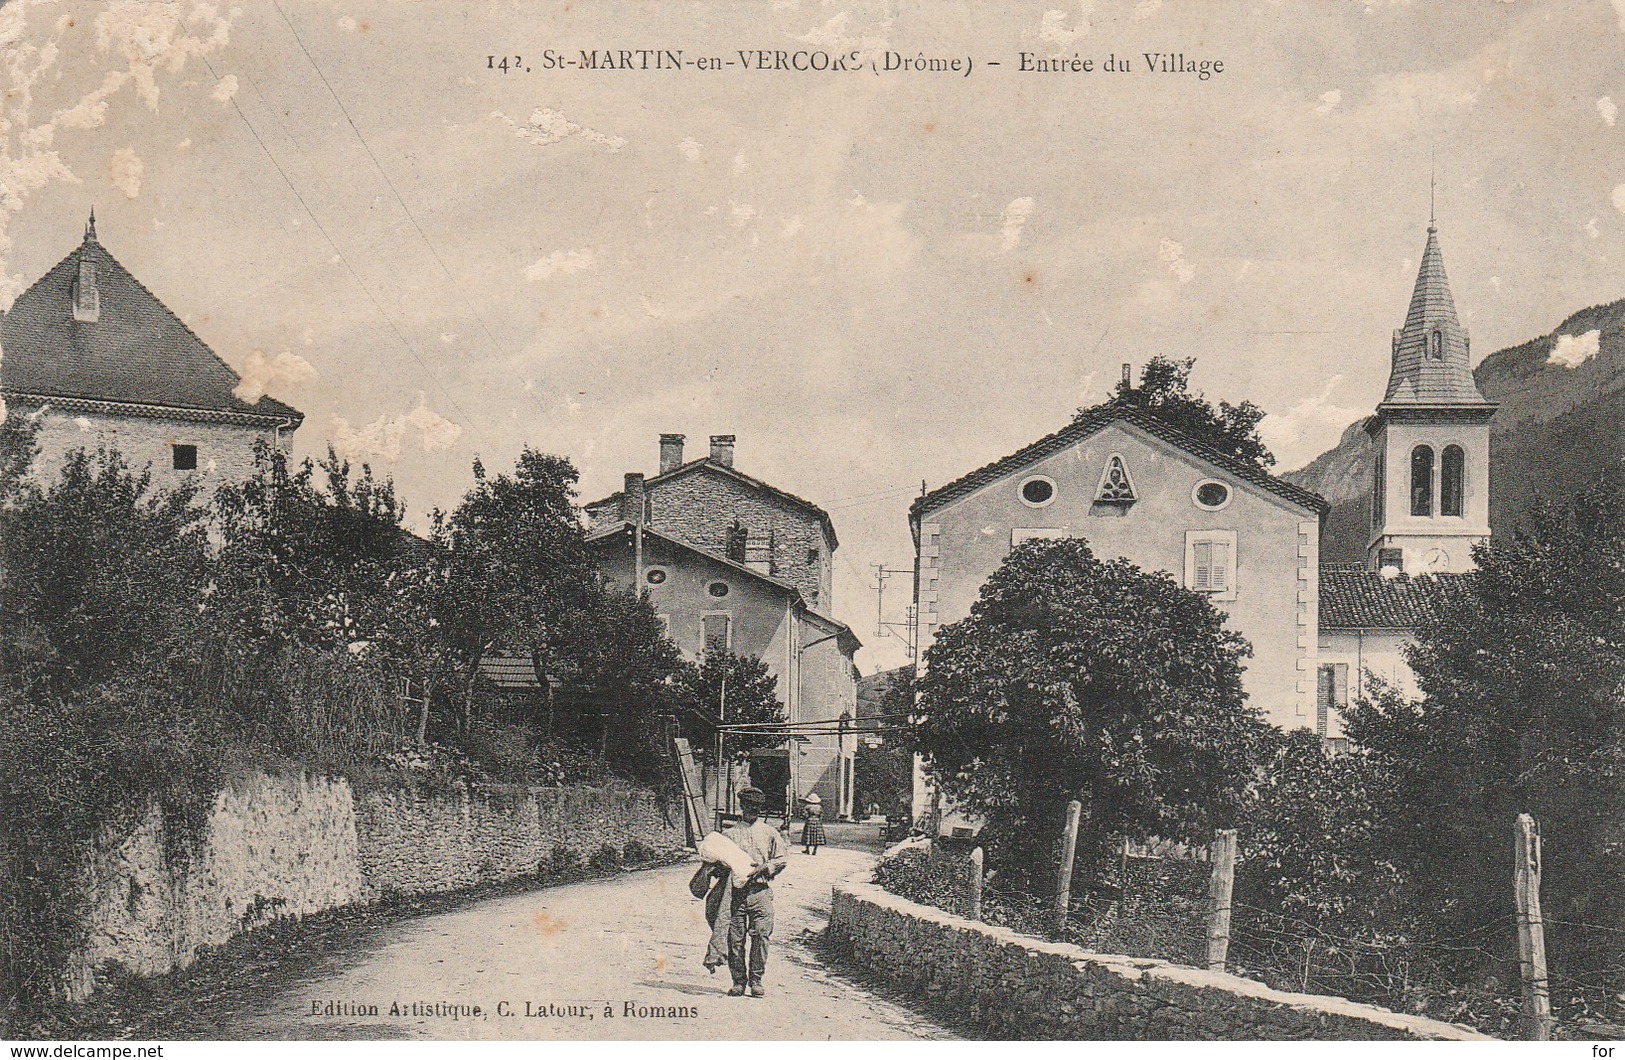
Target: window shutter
{"points": [[1325, 689], [1340, 685], [1203, 578], [1221, 566]]}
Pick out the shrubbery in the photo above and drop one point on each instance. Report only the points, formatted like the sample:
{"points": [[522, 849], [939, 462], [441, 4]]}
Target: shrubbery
{"points": [[151, 641]]}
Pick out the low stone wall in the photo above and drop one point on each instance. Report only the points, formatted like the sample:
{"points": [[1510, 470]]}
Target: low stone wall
{"points": [[412, 843], [293, 845], [271, 846], [1019, 987]]}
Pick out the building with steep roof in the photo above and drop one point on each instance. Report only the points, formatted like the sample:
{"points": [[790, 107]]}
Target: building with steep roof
{"points": [[1431, 489], [97, 359], [733, 564], [1430, 504]]}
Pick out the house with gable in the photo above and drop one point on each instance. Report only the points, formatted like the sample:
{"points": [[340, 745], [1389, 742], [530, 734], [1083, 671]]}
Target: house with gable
{"points": [[733, 564], [1138, 489], [97, 359]]}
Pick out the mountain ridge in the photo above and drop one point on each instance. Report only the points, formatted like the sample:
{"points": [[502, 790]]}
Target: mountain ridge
{"points": [[1560, 427]]}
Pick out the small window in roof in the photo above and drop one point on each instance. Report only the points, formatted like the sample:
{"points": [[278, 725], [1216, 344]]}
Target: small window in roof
{"points": [[1037, 491], [184, 457]]}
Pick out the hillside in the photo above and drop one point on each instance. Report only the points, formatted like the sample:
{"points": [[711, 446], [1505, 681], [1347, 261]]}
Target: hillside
{"points": [[1561, 426]]}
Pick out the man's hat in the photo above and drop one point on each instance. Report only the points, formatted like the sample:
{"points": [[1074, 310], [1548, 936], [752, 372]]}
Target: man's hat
{"points": [[813, 799], [752, 797]]}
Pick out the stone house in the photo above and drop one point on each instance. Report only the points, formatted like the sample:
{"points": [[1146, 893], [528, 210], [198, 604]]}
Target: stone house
{"points": [[97, 360], [733, 564]]}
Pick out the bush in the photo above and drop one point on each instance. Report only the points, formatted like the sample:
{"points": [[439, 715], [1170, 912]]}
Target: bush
{"points": [[605, 859]]}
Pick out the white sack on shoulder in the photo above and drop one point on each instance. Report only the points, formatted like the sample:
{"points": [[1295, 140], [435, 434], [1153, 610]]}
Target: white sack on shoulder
{"points": [[719, 848]]}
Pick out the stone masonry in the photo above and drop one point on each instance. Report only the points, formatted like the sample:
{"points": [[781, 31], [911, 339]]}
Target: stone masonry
{"points": [[1014, 986], [292, 845]]}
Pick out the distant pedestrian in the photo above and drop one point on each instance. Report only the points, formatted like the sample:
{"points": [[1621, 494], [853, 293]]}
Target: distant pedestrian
{"points": [[751, 909], [812, 828]]}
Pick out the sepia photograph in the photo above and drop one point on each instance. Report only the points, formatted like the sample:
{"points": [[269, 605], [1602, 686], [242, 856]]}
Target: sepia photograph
{"points": [[811, 520]]}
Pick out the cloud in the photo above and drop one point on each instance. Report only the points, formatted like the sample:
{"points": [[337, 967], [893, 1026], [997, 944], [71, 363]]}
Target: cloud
{"points": [[1571, 351], [1172, 254], [385, 437], [545, 127], [1307, 428], [1015, 219], [690, 148], [561, 261], [347, 24], [1591, 228], [124, 170], [1619, 198], [739, 214], [262, 374], [1619, 9], [1329, 101], [225, 90], [1606, 107]]}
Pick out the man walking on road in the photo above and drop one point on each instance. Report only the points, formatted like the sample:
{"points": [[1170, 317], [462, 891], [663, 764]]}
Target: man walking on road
{"points": [[751, 915]]}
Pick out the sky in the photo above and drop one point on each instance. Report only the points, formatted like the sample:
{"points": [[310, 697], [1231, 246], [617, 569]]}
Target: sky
{"points": [[872, 278]]}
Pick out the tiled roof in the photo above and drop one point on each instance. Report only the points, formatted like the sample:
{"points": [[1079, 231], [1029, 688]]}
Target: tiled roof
{"points": [[1421, 378], [1352, 597], [749, 480], [137, 352], [1094, 420]]}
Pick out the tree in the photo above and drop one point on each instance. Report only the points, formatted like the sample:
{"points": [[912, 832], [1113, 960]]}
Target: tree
{"points": [[1164, 392], [1074, 678], [518, 572], [103, 576], [728, 689], [1522, 710]]}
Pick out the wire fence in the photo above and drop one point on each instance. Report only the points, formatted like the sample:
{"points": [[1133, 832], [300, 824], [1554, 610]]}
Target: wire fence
{"points": [[1158, 906]]}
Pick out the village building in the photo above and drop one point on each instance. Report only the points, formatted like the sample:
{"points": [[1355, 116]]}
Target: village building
{"points": [[1138, 489], [1430, 502], [733, 564], [97, 360]]}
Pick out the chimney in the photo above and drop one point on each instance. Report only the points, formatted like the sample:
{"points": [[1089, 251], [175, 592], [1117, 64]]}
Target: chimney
{"points": [[633, 499], [1128, 377], [722, 449], [87, 299], [671, 452]]}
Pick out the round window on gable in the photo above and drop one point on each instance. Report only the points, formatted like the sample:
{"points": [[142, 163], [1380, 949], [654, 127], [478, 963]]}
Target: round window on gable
{"points": [[1037, 491], [717, 589], [1211, 495], [655, 576]]}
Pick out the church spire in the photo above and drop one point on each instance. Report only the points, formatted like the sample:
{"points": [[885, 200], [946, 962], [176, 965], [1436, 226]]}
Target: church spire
{"points": [[90, 227], [1431, 357]]}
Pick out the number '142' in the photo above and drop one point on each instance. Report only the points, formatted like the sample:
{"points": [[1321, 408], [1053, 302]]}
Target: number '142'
{"points": [[504, 63]]}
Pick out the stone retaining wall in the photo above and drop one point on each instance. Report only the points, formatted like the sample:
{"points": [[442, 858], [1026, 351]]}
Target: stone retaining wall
{"points": [[1015, 986], [293, 845], [412, 843]]}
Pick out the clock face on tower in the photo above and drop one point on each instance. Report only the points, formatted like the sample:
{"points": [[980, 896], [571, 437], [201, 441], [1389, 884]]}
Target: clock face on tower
{"points": [[1436, 560]]}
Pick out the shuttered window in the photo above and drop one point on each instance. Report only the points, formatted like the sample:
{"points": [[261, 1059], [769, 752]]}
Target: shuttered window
{"points": [[1210, 562], [1332, 694], [716, 632]]}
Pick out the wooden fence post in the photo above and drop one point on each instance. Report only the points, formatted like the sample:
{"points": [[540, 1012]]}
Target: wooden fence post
{"points": [[1220, 885], [976, 884], [1537, 1002], [1069, 851]]}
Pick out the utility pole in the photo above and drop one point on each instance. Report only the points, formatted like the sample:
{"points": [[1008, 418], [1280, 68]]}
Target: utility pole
{"points": [[909, 625]]}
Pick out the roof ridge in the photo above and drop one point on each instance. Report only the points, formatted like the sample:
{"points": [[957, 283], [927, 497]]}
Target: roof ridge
{"points": [[1117, 408]]}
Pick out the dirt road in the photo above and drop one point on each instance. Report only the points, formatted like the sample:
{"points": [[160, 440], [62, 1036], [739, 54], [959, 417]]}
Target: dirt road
{"points": [[613, 959]]}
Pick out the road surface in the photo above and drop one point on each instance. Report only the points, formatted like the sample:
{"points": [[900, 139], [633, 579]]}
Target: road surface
{"points": [[610, 959]]}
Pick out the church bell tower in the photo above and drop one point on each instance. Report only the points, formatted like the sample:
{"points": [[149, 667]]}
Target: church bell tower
{"points": [[1431, 491]]}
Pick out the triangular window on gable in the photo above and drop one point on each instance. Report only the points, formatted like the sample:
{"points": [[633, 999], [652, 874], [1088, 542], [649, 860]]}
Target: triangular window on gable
{"points": [[1116, 487]]}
